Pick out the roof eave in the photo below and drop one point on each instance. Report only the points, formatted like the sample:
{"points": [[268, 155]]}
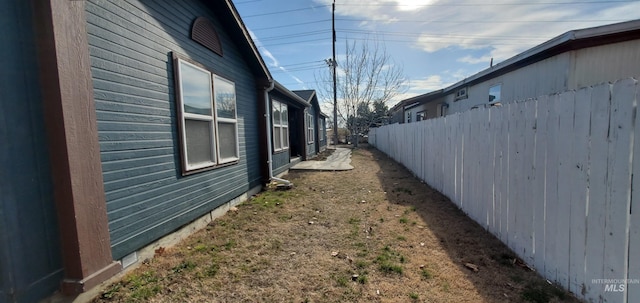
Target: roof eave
{"points": [[571, 40]]}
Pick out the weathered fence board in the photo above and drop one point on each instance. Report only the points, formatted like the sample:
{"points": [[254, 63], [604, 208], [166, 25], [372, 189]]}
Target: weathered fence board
{"points": [[553, 178]]}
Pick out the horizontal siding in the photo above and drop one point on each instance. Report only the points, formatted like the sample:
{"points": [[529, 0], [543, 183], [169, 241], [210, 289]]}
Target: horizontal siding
{"points": [[280, 162], [130, 43]]}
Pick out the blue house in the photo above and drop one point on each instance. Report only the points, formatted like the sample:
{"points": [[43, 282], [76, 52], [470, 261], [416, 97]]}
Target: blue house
{"points": [[316, 136], [122, 122], [288, 129]]}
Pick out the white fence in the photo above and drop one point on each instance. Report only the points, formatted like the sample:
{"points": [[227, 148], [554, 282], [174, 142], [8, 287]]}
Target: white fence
{"points": [[551, 177]]}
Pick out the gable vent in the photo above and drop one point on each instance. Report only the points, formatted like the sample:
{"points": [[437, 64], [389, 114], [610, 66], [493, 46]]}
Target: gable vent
{"points": [[205, 33]]}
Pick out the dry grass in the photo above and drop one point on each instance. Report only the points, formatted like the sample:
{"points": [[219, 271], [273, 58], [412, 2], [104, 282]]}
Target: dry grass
{"points": [[373, 234]]}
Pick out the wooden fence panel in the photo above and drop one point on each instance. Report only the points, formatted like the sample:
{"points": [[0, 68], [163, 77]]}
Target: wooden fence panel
{"points": [[552, 178], [633, 274], [579, 182], [619, 192], [539, 184], [596, 208], [565, 168]]}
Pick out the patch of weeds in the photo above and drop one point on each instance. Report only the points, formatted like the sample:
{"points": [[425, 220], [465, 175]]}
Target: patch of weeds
{"points": [[363, 253], [230, 244], [414, 296], [342, 281], [387, 261], [381, 220], [360, 264], [144, 293], [184, 265], [360, 245], [353, 220], [414, 222], [404, 220], [390, 268], [412, 208], [426, 274], [271, 198], [211, 270], [403, 259], [402, 238], [111, 291], [143, 286], [201, 248], [362, 279]]}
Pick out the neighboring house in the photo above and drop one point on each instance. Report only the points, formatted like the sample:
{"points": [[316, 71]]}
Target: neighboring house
{"points": [[419, 108], [123, 121], [315, 142], [288, 136], [573, 60]]}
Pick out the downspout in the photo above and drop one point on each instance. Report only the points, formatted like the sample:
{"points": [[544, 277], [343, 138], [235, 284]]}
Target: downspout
{"points": [[269, 129]]}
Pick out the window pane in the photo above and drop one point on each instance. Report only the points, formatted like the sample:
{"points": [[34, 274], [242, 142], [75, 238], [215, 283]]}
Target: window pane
{"points": [[199, 144], [494, 93], [276, 113], [225, 98], [285, 117], [196, 89], [228, 140], [285, 137], [276, 138]]}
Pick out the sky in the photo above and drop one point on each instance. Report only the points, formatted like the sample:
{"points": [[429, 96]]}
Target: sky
{"points": [[436, 42]]}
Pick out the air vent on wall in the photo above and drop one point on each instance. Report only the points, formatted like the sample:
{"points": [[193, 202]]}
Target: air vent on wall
{"points": [[205, 33]]}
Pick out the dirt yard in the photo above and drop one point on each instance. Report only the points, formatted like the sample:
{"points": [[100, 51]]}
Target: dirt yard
{"points": [[373, 234]]}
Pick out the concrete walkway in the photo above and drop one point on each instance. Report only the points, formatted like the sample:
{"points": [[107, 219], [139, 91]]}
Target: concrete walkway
{"points": [[339, 160]]}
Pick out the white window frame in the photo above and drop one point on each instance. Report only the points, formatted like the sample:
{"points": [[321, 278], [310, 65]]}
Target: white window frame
{"points": [[220, 120], [310, 129], [282, 128], [189, 167]]}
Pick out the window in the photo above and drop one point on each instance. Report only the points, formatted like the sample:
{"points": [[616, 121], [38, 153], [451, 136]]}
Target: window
{"points": [[280, 126], [310, 132], [408, 117], [494, 93], [321, 129], [421, 115], [207, 117], [462, 94]]}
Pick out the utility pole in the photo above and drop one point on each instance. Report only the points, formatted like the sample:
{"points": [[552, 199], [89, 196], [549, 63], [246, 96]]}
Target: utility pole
{"points": [[334, 64]]}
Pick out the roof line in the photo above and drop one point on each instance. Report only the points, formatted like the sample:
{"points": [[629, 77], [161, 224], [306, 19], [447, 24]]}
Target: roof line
{"points": [[571, 40], [248, 38], [290, 94]]}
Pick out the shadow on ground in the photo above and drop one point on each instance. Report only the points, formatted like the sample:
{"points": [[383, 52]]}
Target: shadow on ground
{"points": [[500, 276]]}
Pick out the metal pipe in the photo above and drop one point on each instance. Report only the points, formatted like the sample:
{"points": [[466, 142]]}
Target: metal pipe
{"points": [[269, 130]]}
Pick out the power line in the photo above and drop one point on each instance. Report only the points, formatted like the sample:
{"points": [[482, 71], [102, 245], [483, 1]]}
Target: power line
{"points": [[483, 21], [289, 25], [492, 4], [295, 35], [285, 11]]}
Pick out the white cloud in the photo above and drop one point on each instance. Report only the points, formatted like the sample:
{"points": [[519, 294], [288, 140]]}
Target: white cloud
{"points": [[500, 30]]}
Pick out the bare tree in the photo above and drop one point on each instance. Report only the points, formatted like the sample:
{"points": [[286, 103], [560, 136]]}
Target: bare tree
{"points": [[367, 74]]}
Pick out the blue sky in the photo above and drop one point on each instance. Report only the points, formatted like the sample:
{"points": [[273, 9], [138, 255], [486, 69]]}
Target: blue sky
{"points": [[437, 42]]}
